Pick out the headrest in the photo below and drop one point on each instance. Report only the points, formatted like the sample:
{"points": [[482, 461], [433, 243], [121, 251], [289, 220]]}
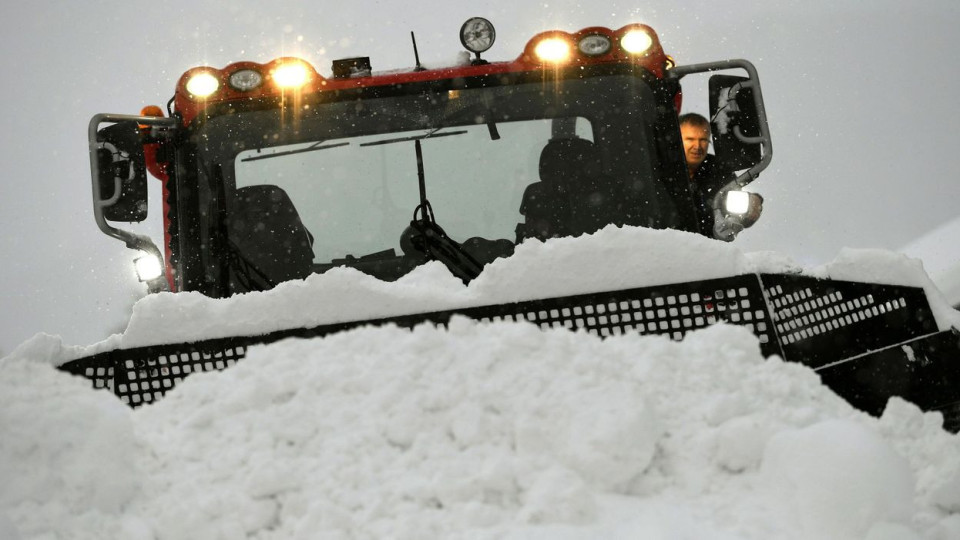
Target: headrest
{"points": [[568, 158]]}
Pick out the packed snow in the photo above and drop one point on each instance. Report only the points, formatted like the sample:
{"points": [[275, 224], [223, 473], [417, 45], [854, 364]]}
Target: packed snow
{"points": [[478, 430]]}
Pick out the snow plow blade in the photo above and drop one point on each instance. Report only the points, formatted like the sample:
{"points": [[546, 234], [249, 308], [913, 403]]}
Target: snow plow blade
{"points": [[868, 342]]}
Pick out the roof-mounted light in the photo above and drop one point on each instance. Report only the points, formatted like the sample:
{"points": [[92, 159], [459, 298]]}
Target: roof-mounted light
{"points": [[245, 80], [291, 74], [149, 110], [202, 85], [477, 35], [636, 42], [594, 45], [554, 50]]}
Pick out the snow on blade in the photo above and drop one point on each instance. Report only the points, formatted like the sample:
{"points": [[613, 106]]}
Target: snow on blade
{"points": [[611, 259], [614, 258]]}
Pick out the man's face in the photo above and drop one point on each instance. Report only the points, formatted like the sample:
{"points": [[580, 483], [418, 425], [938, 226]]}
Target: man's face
{"points": [[696, 139]]}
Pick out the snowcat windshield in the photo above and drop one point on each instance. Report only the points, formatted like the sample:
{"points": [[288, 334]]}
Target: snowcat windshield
{"points": [[336, 183]]}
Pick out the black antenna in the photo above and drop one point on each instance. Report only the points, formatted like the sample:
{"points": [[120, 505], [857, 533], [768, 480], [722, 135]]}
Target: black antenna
{"points": [[416, 55], [426, 212]]}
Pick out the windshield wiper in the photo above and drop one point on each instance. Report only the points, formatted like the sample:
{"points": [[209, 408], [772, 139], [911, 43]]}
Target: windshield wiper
{"points": [[312, 148], [430, 135], [432, 240]]}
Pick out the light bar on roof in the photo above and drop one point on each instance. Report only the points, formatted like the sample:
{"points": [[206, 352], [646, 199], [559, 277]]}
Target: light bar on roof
{"points": [[202, 84]]}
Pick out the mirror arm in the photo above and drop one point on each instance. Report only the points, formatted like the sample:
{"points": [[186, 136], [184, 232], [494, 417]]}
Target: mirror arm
{"points": [[753, 83], [131, 240], [745, 138]]}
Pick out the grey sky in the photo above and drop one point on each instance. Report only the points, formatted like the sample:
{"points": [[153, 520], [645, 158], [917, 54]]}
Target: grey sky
{"points": [[860, 97]]}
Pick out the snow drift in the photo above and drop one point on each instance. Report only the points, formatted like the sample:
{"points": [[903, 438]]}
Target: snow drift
{"points": [[498, 430]]}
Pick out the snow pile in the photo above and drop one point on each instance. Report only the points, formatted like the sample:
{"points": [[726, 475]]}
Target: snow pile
{"points": [[941, 257], [68, 457], [480, 431]]}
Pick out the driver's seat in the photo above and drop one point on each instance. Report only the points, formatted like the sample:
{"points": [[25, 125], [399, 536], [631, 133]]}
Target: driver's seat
{"points": [[268, 235]]}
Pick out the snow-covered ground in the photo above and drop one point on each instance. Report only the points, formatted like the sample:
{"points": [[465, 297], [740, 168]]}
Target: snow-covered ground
{"points": [[939, 249], [498, 430]]}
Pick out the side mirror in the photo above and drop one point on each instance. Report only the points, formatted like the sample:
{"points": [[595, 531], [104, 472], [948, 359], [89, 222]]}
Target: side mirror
{"points": [[735, 122], [121, 172]]}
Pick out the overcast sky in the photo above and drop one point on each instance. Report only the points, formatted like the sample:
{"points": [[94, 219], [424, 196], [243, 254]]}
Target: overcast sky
{"points": [[860, 97]]}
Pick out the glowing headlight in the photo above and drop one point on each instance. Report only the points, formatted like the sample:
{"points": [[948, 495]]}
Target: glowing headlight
{"points": [[477, 35], [636, 42], [148, 267], [553, 50], [737, 202], [202, 85], [291, 75], [594, 45], [246, 79]]}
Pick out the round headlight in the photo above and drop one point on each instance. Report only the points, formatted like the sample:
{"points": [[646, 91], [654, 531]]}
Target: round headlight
{"points": [[291, 75], [477, 34], [594, 45], [202, 85], [636, 42], [246, 79], [553, 50]]}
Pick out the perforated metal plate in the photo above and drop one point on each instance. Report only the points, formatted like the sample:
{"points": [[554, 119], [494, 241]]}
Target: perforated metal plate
{"points": [[854, 334], [820, 322], [145, 374]]}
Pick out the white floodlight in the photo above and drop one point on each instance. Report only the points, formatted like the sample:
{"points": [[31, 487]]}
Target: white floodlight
{"points": [[202, 85], [636, 42], [737, 202], [148, 267]]}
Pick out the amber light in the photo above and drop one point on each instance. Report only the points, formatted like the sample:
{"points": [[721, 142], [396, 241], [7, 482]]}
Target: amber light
{"points": [[150, 110]]}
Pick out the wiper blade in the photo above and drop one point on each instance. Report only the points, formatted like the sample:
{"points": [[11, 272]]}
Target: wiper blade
{"points": [[433, 134], [432, 240], [311, 148], [436, 245]]}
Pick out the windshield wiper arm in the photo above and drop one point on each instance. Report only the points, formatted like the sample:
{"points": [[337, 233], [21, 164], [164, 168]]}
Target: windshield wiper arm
{"points": [[432, 135], [311, 148], [433, 240]]}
